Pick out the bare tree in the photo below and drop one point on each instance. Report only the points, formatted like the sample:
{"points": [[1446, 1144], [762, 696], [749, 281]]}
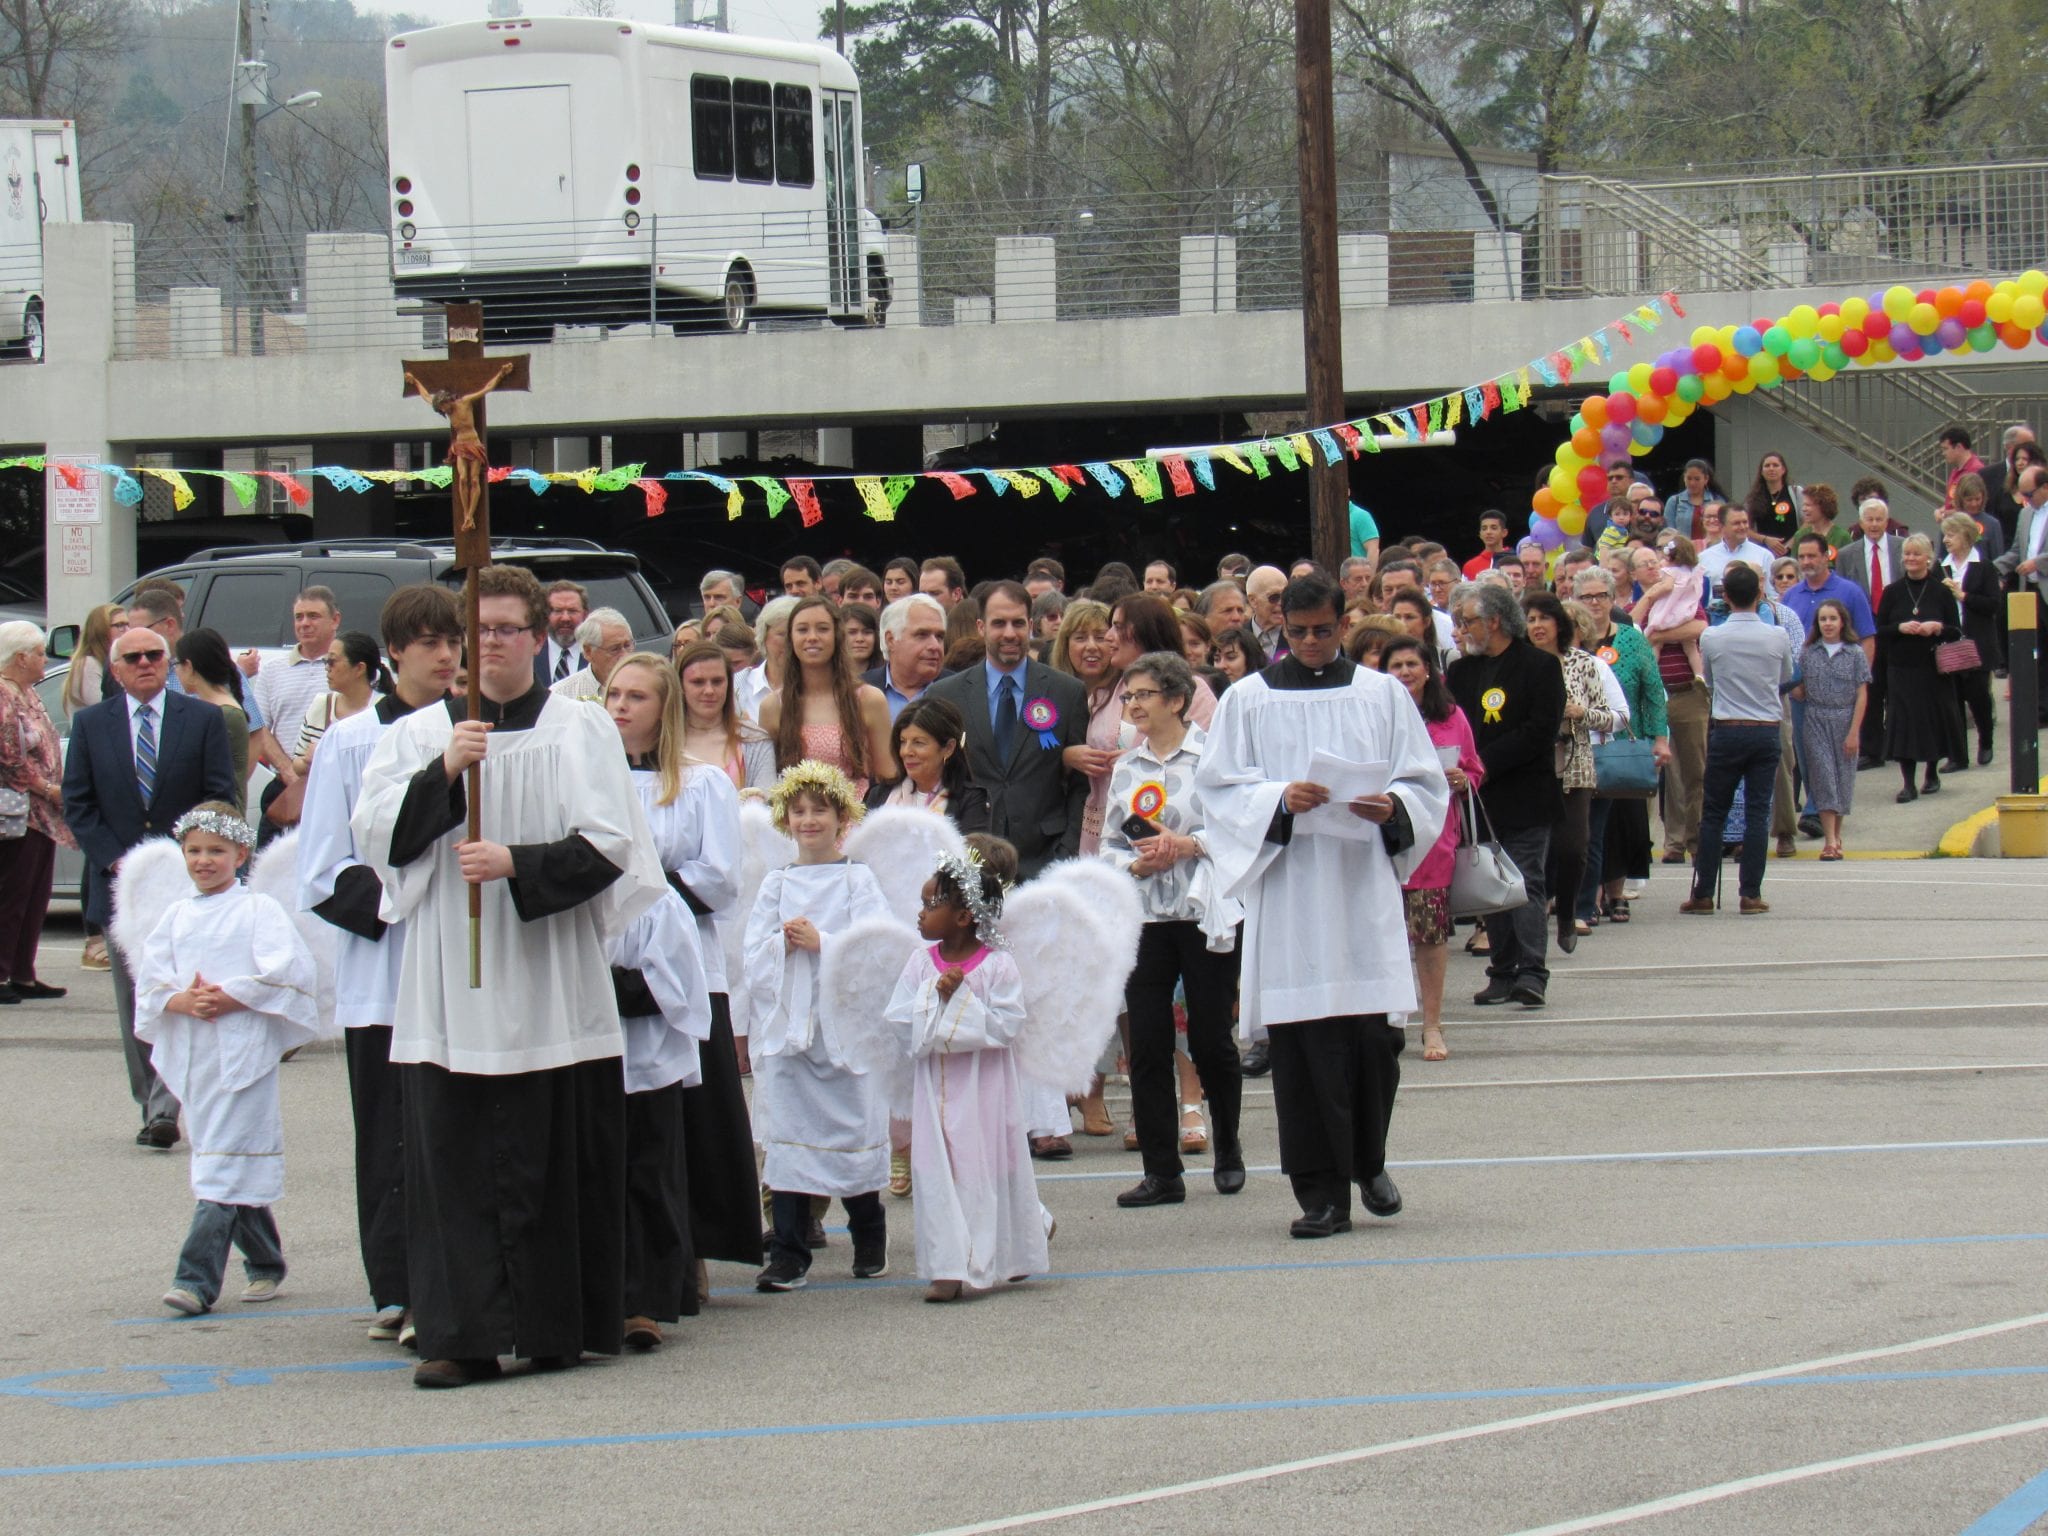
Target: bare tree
{"points": [[55, 54]]}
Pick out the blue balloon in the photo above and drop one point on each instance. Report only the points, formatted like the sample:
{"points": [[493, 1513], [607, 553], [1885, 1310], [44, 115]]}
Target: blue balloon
{"points": [[1645, 432], [1747, 341]]}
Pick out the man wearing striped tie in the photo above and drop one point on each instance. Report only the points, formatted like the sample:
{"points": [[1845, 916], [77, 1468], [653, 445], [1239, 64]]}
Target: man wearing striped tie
{"points": [[137, 762]]}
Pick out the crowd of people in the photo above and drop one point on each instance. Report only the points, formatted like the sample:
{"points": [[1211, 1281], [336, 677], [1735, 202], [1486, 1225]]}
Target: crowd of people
{"points": [[1292, 765]]}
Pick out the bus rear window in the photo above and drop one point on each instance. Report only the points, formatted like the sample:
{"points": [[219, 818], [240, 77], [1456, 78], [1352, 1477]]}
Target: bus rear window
{"points": [[753, 131], [711, 125], [794, 136]]}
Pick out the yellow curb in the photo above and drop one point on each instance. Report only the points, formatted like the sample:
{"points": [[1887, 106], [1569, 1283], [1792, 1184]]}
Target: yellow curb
{"points": [[1959, 840]]}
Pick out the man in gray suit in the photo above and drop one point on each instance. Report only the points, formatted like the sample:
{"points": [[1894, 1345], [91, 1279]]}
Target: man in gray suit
{"points": [[2026, 563], [1871, 561]]}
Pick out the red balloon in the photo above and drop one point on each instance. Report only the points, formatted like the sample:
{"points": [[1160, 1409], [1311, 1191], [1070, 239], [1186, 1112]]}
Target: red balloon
{"points": [[1855, 342], [1926, 296], [1663, 380], [1971, 314], [1764, 323], [1877, 325], [1592, 485], [1706, 357], [1830, 309], [1621, 408]]}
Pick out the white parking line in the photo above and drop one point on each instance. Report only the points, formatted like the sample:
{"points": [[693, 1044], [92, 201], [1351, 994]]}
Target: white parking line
{"points": [[1492, 1427], [1409, 1085], [1859, 962], [1728, 1490], [1721, 1015]]}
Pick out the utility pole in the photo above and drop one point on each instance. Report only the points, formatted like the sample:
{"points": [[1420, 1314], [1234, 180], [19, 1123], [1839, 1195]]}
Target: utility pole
{"points": [[1322, 325], [839, 26], [247, 92]]}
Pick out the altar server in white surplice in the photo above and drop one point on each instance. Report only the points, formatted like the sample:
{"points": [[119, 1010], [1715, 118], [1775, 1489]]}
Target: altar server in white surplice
{"points": [[514, 1090], [225, 987], [1325, 943], [422, 630]]}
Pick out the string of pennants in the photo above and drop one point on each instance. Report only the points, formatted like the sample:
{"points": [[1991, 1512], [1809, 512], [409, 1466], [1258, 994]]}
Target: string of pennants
{"points": [[1149, 478]]}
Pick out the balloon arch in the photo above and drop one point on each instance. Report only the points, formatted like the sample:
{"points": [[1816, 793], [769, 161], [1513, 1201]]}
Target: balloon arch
{"points": [[1896, 324]]}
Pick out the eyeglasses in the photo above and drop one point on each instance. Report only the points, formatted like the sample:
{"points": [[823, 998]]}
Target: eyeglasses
{"points": [[1468, 621], [1309, 631], [502, 633], [1143, 693]]}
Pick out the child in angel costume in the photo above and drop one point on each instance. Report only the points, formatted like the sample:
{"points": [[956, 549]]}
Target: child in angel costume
{"points": [[821, 1119], [225, 987]]}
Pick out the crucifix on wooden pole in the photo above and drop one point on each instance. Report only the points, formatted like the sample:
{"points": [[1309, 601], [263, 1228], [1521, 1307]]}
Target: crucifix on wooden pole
{"points": [[455, 386], [1322, 315]]}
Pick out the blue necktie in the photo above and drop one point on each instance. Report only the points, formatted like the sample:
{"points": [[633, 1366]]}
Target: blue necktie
{"points": [[1006, 718], [145, 752]]}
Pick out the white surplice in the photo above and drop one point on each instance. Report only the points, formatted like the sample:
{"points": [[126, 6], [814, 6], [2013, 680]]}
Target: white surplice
{"points": [[366, 971], [822, 1126], [546, 999], [978, 1216], [697, 837], [661, 1048], [1325, 930], [224, 1070]]}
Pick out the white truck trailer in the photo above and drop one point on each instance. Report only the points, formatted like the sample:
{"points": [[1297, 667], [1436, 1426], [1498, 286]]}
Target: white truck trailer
{"points": [[38, 186]]}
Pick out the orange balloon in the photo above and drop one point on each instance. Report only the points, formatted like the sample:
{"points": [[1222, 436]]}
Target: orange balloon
{"points": [[1543, 502], [1652, 408], [1586, 444], [1594, 409], [2014, 336], [1734, 367], [1948, 303], [1979, 290]]}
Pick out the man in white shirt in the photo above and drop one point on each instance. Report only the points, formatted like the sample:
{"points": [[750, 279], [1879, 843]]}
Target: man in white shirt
{"points": [[605, 638], [287, 685], [1735, 544]]}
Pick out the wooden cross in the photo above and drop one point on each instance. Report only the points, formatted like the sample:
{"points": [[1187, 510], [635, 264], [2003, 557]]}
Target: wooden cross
{"points": [[455, 386]]}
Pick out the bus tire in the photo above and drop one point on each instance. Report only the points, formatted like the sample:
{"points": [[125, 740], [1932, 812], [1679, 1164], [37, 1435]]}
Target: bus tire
{"points": [[736, 305]]}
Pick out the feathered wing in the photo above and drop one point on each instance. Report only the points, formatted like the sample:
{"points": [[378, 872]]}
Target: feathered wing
{"points": [[276, 874], [152, 881], [902, 844], [1074, 934], [856, 978], [762, 849]]}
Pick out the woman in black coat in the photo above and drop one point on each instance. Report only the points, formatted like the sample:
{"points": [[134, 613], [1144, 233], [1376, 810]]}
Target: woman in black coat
{"points": [[1916, 614], [1973, 581], [929, 740]]}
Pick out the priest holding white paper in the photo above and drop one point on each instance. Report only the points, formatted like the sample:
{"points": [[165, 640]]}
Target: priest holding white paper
{"points": [[1325, 942]]}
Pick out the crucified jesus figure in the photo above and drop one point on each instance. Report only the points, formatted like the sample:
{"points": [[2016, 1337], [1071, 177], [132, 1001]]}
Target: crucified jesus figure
{"points": [[466, 455]]}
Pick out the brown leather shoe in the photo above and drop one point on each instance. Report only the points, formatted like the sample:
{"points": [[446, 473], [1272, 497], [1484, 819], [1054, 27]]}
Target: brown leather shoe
{"points": [[1754, 904], [454, 1373], [643, 1333], [1787, 848], [1697, 904]]}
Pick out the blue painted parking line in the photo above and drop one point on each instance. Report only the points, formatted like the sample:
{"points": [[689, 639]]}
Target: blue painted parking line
{"points": [[2016, 1513]]}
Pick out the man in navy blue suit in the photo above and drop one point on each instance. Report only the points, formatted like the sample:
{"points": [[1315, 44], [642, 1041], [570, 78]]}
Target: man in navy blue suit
{"points": [[137, 762]]}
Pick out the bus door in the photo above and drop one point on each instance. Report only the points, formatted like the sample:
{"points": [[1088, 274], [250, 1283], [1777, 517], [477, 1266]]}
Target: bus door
{"points": [[842, 197]]}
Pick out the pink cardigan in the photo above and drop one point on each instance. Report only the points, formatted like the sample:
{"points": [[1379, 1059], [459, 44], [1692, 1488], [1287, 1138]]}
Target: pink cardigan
{"points": [[1434, 872]]}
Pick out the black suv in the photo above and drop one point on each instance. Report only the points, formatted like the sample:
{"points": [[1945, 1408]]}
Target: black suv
{"points": [[245, 591]]}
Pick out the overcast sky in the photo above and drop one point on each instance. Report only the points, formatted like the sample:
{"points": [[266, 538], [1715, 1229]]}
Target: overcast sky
{"points": [[785, 19]]}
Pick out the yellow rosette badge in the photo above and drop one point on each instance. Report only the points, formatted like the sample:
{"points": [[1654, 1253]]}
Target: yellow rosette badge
{"points": [[1491, 701]]}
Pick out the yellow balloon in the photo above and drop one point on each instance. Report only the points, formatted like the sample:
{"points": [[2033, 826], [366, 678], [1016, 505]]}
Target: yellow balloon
{"points": [[1762, 368], [1831, 327], [1998, 308], [1925, 319], [1854, 311], [1746, 384], [1563, 484], [1803, 322], [1639, 449], [1702, 334], [2028, 311], [1639, 378], [1715, 386], [1820, 371], [1572, 520], [1880, 352], [1725, 338], [1898, 301], [2034, 283]]}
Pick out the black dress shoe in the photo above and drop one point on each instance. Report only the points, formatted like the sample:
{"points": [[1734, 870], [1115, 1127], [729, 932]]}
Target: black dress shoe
{"points": [[1567, 939], [1907, 795], [1953, 765], [1810, 827], [9, 993], [36, 989], [1984, 755], [1153, 1191], [1327, 1221], [1931, 785], [1527, 993], [1497, 991], [1381, 1198], [1258, 1061], [161, 1134], [1228, 1173]]}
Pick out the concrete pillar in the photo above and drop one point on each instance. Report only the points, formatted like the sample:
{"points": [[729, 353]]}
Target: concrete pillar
{"points": [[1718, 268], [566, 455], [835, 447], [89, 284], [1027, 278], [195, 323], [731, 445], [1788, 262], [1208, 274], [349, 299], [1496, 265], [906, 281], [975, 309], [339, 514], [1362, 271]]}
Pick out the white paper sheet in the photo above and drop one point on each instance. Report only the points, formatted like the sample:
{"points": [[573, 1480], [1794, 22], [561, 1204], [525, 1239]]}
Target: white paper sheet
{"points": [[1346, 780]]}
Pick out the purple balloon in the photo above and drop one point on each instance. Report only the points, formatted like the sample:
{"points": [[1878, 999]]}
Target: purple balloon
{"points": [[1614, 437], [1952, 335], [1904, 339], [1545, 532], [1911, 354]]}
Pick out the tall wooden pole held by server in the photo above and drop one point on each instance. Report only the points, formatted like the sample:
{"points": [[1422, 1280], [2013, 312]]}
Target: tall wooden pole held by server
{"points": [[1322, 323], [455, 386]]}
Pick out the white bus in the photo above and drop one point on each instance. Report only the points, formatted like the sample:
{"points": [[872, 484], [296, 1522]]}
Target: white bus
{"points": [[591, 171]]}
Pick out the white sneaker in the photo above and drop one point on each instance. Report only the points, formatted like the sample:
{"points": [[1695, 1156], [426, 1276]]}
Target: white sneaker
{"points": [[262, 1290], [178, 1299], [384, 1327]]}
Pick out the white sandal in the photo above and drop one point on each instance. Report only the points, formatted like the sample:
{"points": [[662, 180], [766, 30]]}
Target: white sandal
{"points": [[1193, 1138]]}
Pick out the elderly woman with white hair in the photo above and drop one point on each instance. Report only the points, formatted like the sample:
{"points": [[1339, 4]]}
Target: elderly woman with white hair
{"points": [[753, 684], [31, 811], [1915, 614]]}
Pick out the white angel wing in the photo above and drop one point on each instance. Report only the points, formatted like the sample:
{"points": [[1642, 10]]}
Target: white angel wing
{"points": [[902, 844], [152, 881], [762, 849], [1074, 934], [855, 982], [276, 874]]}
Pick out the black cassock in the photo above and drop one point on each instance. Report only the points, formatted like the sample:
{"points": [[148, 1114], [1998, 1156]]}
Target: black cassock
{"points": [[514, 1185], [718, 1135], [661, 1261]]}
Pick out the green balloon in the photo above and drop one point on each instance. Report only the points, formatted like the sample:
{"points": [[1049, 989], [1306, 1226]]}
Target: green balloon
{"points": [[1804, 353], [1774, 382], [1690, 389], [1777, 341], [1619, 385], [1577, 422], [1984, 337], [1832, 354]]}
